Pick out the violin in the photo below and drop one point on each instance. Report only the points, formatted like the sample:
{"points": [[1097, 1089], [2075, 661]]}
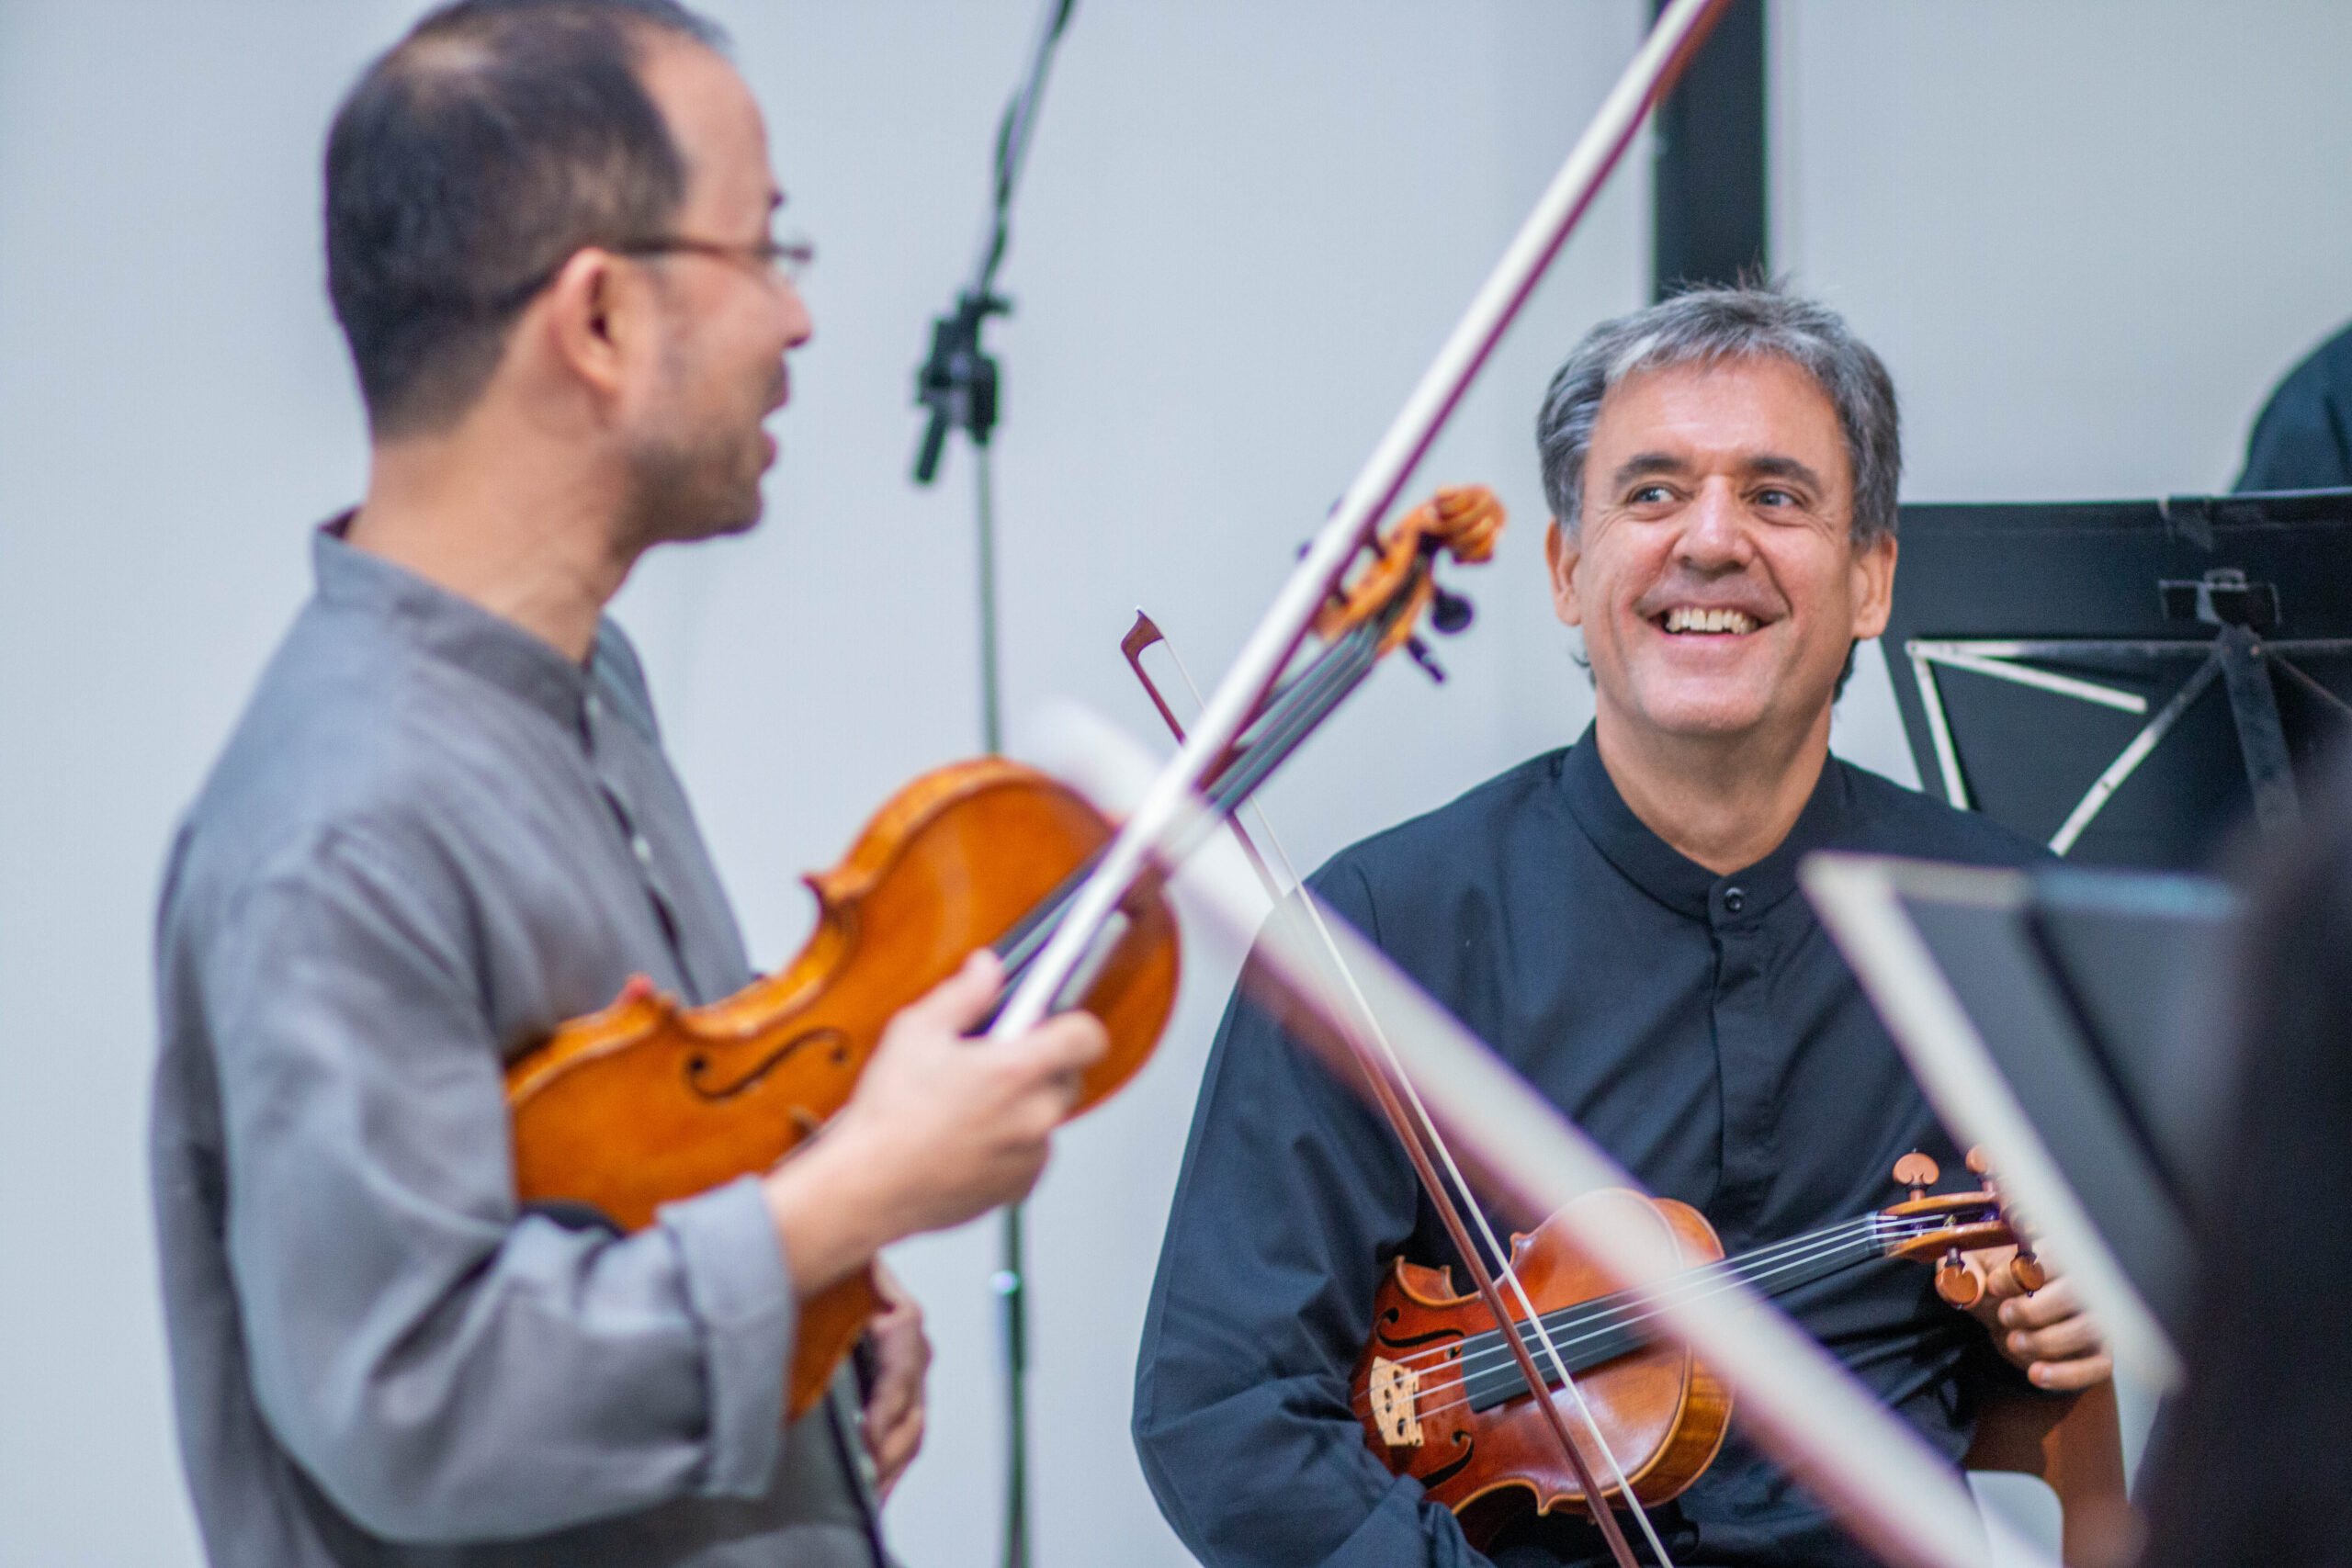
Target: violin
{"points": [[646, 1100], [1440, 1397]]}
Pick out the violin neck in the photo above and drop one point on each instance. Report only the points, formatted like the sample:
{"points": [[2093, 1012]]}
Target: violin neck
{"points": [[1287, 720]]}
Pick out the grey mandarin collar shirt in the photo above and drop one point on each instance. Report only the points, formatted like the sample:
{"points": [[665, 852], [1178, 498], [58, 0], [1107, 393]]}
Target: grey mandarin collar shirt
{"points": [[1700, 1027], [431, 839]]}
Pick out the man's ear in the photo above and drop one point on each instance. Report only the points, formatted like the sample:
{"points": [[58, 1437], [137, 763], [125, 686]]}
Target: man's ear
{"points": [[1561, 554], [589, 314], [1873, 586]]}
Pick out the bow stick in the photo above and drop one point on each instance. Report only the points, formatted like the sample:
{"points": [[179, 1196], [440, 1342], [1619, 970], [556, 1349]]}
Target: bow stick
{"points": [[1418, 1134], [1898, 1496], [1680, 30]]}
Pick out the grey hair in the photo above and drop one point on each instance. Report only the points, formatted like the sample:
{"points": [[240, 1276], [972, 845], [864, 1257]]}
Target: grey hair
{"points": [[1712, 326]]}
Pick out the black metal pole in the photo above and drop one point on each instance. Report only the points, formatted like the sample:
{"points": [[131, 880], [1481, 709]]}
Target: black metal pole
{"points": [[1711, 218], [958, 384]]}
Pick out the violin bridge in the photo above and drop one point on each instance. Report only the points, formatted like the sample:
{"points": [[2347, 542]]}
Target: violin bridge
{"points": [[1395, 1389]]}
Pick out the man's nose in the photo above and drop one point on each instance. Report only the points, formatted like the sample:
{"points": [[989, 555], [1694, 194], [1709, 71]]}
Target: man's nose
{"points": [[1714, 535], [798, 323]]}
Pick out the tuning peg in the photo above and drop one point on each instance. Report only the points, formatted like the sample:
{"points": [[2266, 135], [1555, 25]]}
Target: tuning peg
{"points": [[1919, 1172], [1956, 1283], [1422, 657], [2026, 1269], [1449, 612]]}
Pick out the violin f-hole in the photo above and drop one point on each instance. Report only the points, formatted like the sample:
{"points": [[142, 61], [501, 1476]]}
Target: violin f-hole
{"points": [[698, 1065]]}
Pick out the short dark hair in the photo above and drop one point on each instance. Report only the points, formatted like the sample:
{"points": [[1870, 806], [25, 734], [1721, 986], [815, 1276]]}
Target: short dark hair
{"points": [[467, 164]]}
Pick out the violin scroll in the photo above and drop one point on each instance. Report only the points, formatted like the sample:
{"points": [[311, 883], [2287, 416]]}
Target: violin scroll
{"points": [[1943, 1227], [1460, 521]]}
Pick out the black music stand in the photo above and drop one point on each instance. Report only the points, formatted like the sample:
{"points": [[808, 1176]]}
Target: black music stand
{"points": [[2055, 664], [2068, 1020]]}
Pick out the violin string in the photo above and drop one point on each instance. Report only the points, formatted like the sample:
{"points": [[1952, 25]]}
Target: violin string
{"points": [[1326, 683], [1632, 1321], [1717, 1285], [1502, 1259], [1722, 1284], [1803, 1248], [1622, 1309], [1464, 1397]]}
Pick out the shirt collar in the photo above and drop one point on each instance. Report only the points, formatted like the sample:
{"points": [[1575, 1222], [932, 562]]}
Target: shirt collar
{"points": [[447, 626], [1664, 872]]}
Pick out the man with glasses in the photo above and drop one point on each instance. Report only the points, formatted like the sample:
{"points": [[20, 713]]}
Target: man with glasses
{"points": [[446, 824]]}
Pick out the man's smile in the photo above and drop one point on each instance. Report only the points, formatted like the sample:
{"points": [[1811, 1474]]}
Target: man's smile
{"points": [[1691, 620]]}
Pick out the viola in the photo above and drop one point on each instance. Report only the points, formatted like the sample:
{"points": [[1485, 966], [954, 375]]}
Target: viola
{"points": [[1442, 1397], [647, 1100]]}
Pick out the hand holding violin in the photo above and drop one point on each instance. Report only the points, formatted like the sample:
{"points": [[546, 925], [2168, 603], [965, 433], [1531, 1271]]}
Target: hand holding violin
{"points": [[901, 1360], [2046, 1331], [936, 1131], [2032, 1314]]}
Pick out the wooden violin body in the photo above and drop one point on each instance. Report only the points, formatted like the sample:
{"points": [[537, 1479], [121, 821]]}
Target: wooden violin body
{"points": [[647, 1101], [1663, 1414]]}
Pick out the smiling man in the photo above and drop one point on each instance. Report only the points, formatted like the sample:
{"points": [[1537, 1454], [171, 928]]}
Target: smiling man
{"points": [[1620, 919]]}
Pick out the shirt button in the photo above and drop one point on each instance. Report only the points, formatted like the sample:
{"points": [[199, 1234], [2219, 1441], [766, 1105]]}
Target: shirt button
{"points": [[1734, 900], [595, 708], [640, 849]]}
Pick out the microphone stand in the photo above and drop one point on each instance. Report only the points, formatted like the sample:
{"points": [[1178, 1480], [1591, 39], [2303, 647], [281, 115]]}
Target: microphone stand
{"points": [[957, 383]]}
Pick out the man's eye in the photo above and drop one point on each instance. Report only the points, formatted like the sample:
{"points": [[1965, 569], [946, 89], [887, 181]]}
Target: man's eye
{"points": [[1649, 495], [1776, 497]]}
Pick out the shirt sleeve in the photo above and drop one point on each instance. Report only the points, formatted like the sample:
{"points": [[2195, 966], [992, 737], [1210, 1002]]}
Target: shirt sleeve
{"points": [[1293, 1197], [445, 1367]]}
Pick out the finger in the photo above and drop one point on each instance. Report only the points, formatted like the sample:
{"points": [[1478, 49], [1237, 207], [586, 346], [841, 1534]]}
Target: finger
{"points": [[1067, 1043], [894, 1294], [903, 1358], [895, 1447], [1982, 1264], [894, 1401], [887, 1409], [2081, 1372], [2054, 1302], [2001, 1281], [2075, 1337], [899, 1345], [961, 1000], [896, 1450], [1021, 1173]]}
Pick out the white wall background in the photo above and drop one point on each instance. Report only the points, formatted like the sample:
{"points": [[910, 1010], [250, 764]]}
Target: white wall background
{"points": [[2086, 238]]}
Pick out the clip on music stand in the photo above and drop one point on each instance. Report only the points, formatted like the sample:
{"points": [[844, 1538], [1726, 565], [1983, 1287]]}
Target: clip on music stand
{"points": [[2062, 1019], [2058, 655]]}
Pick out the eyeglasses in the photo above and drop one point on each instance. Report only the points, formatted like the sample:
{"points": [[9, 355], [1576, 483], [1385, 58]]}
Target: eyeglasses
{"points": [[782, 260]]}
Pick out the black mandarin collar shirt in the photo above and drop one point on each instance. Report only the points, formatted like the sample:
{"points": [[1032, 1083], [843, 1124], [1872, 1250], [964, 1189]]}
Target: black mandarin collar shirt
{"points": [[1703, 1027]]}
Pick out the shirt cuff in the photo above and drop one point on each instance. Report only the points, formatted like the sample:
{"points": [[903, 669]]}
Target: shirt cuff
{"points": [[741, 1294]]}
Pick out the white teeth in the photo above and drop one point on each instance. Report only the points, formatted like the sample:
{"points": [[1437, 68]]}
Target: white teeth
{"points": [[1685, 619]]}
